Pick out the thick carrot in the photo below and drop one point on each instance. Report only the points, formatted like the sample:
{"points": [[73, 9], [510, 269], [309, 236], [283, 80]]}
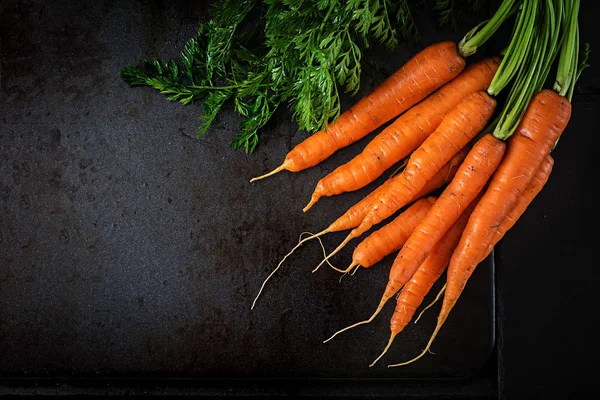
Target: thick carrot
{"points": [[425, 72], [457, 129], [420, 284], [545, 119], [406, 133], [390, 237], [459, 196]]}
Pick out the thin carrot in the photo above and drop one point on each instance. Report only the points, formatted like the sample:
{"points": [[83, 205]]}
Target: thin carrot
{"points": [[456, 130], [421, 282], [416, 79], [535, 186], [356, 213], [459, 196], [406, 133], [414, 292], [471, 177], [390, 237], [530, 139]]}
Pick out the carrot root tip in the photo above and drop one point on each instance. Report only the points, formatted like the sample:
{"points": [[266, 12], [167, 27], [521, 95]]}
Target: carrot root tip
{"points": [[276, 170]]}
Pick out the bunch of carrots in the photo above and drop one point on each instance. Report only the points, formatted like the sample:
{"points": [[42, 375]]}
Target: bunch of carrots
{"points": [[486, 162]]}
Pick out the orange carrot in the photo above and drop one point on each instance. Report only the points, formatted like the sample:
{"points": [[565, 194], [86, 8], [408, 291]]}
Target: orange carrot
{"points": [[545, 119], [431, 269], [416, 289], [459, 127], [356, 213], [471, 177], [406, 133], [391, 237], [422, 74], [459, 195]]}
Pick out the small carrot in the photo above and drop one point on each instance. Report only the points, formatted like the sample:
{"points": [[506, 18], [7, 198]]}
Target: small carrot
{"points": [[406, 133], [420, 284], [355, 214], [416, 79], [459, 195], [390, 237], [457, 129]]}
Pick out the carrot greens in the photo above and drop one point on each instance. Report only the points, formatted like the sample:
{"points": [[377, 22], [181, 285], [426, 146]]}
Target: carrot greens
{"points": [[265, 55]]}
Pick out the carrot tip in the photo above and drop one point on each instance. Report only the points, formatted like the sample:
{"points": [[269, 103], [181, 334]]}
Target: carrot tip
{"points": [[276, 170], [312, 201]]}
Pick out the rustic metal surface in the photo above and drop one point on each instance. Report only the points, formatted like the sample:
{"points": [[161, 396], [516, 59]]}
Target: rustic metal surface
{"points": [[129, 248]]}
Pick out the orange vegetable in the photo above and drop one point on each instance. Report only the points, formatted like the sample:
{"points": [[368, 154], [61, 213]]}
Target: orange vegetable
{"points": [[457, 129], [545, 119], [425, 72], [406, 133], [420, 284], [459, 195], [390, 237]]}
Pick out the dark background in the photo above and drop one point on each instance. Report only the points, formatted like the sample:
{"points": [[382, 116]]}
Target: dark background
{"points": [[130, 251]]}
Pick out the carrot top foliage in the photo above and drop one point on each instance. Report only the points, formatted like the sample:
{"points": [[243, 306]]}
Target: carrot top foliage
{"points": [[261, 55]]}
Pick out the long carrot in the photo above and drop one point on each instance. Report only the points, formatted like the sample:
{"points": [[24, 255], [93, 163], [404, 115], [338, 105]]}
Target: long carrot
{"points": [[541, 126], [456, 130], [471, 177], [390, 237], [416, 79], [530, 139], [536, 184], [414, 292], [459, 195], [420, 284], [351, 218], [406, 133]]}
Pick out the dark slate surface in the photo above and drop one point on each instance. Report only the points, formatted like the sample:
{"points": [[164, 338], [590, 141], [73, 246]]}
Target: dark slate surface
{"points": [[129, 249]]}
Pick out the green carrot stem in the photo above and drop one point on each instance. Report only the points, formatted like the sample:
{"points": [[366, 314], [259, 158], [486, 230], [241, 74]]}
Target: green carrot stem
{"points": [[519, 47], [483, 31]]}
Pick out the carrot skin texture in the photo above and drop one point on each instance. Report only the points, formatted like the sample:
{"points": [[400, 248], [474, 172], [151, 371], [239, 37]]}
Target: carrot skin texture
{"points": [[543, 123], [406, 133], [417, 78], [427, 274], [535, 186], [355, 214], [457, 129], [469, 181], [392, 236]]}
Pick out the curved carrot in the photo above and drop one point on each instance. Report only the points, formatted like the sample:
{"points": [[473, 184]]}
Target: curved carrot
{"points": [[406, 133], [390, 237], [545, 119], [420, 284], [459, 196], [422, 74], [457, 129]]}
